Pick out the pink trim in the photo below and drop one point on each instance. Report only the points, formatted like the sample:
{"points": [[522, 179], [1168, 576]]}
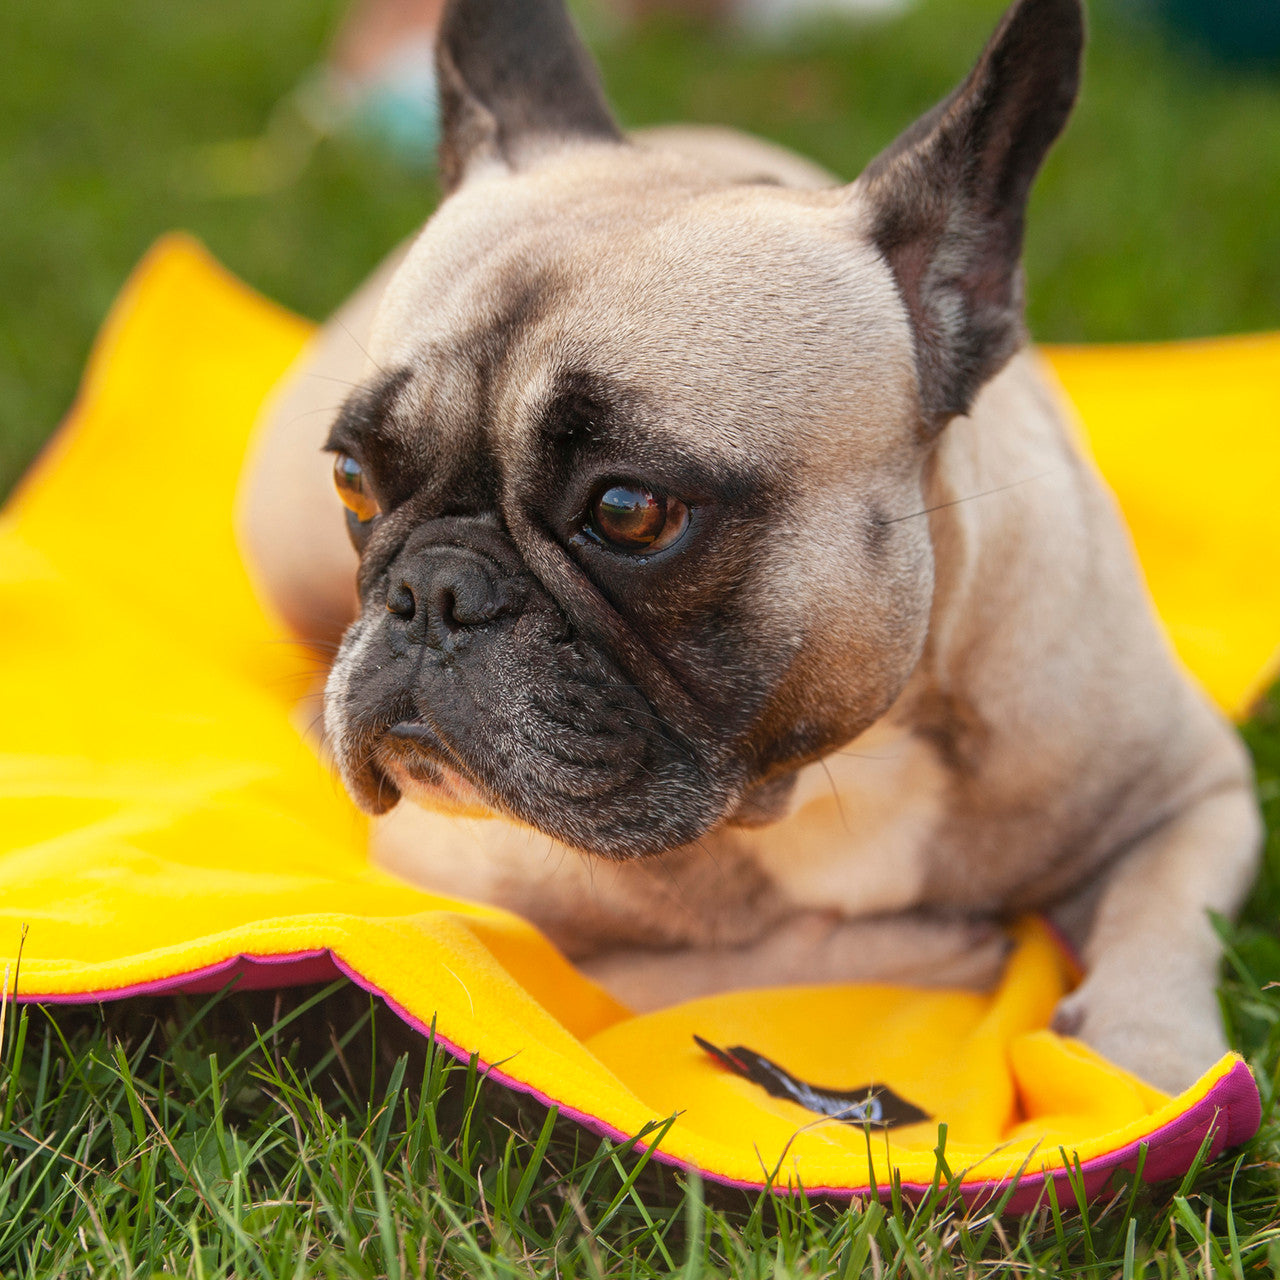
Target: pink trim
{"points": [[249, 973], [1232, 1109]]}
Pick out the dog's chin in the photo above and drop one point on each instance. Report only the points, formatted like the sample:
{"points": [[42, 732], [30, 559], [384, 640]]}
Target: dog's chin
{"points": [[611, 815], [451, 794], [432, 784], [407, 764]]}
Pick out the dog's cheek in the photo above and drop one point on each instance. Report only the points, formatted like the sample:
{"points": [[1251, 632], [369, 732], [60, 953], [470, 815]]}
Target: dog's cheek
{"points": [[859, 626], [338, 730]]}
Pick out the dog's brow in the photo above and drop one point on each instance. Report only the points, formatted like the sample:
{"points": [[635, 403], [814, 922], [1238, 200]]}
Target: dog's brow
{"points": [[580, 411], [368, 416]]}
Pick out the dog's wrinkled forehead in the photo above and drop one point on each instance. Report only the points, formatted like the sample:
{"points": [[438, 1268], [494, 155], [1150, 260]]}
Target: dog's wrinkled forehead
{"points": [[752, 311]]}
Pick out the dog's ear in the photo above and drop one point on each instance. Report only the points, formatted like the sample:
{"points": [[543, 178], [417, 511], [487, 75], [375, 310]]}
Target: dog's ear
{"points": [[947, 200], [514, 79]]}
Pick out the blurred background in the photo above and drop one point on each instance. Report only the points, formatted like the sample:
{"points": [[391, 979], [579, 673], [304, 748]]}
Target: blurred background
{"points": [[1158, 215]]}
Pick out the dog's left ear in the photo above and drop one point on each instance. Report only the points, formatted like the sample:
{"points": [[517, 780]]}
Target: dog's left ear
{"points": [[514, 79], [947, 201]]}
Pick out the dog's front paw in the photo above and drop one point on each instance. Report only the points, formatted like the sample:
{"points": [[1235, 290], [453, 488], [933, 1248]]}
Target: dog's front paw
{"points": [[1165, 1041]]}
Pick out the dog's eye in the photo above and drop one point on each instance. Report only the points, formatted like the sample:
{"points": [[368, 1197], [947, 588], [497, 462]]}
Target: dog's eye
{"points": [[353, 488], [632, 518]]}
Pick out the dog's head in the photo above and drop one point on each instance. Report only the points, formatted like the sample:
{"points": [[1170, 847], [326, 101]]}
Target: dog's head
{"points": [[629, 473]]}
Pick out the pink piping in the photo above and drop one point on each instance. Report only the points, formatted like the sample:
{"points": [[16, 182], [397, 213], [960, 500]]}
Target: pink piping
{"points": [[250, 973]]}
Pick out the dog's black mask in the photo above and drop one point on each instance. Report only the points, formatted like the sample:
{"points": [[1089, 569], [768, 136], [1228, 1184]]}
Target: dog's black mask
{"points": [[476, 670]]}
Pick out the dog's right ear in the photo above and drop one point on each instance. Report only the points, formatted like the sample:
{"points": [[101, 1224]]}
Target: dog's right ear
{"points": [[947, 201], [515, 80]]}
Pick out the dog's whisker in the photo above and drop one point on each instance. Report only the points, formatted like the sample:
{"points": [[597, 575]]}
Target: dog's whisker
{"points": [[973, 497], [329, 412], [835, 792], [329, 377], [368, 356]]}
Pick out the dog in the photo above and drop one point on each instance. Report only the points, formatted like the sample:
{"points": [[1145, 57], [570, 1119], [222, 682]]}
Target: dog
{"points": [[720, 576]]}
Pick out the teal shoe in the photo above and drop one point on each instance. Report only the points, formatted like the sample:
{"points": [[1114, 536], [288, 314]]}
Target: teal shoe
{"points": [[396, 110]]}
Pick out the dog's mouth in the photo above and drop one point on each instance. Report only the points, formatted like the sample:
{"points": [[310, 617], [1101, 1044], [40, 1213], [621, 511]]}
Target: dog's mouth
{"points": [[515, 723], [418, 762]]}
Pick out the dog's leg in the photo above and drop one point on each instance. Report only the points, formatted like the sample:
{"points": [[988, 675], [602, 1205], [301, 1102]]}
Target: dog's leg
{"points": [[812, 947], [1150, 952]]}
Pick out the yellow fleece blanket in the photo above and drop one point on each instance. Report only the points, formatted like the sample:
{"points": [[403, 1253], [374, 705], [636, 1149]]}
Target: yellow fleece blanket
{"points": [[164, 826]]}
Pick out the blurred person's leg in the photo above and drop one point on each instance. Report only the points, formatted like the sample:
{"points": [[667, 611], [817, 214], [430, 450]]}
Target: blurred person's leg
{"points": [[374, 31], [378, 83]]}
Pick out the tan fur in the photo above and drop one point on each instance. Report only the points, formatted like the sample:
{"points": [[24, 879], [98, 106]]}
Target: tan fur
{"points": [[1046, 751]]}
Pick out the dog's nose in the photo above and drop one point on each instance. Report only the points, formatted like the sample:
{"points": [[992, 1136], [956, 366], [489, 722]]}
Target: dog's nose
{"points": [[448, 590]]}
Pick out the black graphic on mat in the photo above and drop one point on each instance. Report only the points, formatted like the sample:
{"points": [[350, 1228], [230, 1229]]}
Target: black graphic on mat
{"points": [[873, 1104]]}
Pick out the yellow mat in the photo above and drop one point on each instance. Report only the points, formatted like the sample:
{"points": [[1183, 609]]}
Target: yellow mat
{"points": [[163, 825]]}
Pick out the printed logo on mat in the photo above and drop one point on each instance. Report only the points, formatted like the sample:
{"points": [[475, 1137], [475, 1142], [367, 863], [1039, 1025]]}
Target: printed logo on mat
{"points": [[868, 1104]]}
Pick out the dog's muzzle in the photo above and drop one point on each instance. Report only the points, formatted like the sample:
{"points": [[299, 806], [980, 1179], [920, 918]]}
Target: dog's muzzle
{"points": [[440, 595]]}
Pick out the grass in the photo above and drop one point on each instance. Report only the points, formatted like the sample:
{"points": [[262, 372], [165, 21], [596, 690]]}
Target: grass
{"points": [[311, 1135], [245, 1137]]}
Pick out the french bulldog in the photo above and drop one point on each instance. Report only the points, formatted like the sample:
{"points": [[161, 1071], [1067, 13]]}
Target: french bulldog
{"points": [[720, 576]]}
